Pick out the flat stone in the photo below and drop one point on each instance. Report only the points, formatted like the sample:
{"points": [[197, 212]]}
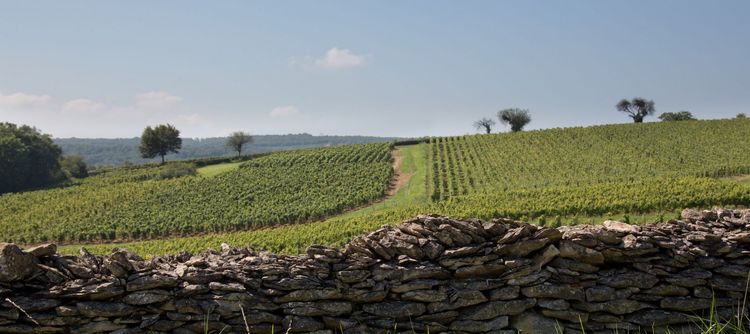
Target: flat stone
{"points": [[99, 327], [521, 248], [297, 324], [667, 290], [229, 287], [395, 310], [15, 264], [532, 322], [572, 250], [572, 316], [29, 304], [636, 279], [620, 306], [415, 285], [553, 304], [493, 309], [600, 294], [657, 318], [620, 227], [147, 297], [425, 296], [460, 298], [151, 282], [554, 291], [505, 293], [100, 309], [321, 308], [479, 326], [309, 295], [42, 250]]}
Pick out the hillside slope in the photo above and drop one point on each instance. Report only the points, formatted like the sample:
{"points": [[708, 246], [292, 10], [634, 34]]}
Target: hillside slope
{"points": [[516, 175], [135, 203]]}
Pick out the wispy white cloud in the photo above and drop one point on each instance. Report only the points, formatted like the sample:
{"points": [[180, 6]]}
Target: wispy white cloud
{"points": [[336, 58], [284, 111], [24, 100], [83, 106], [156, 100]]}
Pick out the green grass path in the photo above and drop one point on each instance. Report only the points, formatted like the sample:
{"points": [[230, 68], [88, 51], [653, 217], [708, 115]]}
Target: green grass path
{"points": [[213, 170]]}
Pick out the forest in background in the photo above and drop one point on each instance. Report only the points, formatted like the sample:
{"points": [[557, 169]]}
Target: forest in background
{"points": [[102, 152]]}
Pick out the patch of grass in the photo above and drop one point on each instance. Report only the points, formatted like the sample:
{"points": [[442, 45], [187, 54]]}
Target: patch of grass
{"points": [[413, 193], [213, 170], [745, 178]]}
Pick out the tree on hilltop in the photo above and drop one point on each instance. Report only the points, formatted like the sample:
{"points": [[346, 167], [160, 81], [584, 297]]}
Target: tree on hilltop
{"points": [[484, 123], [160, 140], [677, 116], [238, 139], [741, 116], [515, 117], [637, 109]]}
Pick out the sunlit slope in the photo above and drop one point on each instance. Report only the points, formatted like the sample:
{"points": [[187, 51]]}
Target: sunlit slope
{"points": [[592, 170], [285, 187]]}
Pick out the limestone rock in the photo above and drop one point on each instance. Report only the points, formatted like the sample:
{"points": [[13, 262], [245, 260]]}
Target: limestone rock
{"points": [[15, 264]]}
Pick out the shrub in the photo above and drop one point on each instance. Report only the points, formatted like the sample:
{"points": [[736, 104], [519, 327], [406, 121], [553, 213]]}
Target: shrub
{"points": [[177, 169]]}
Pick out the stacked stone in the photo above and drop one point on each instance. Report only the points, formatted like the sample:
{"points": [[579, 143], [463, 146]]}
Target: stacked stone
{"points": [[430, 273]]}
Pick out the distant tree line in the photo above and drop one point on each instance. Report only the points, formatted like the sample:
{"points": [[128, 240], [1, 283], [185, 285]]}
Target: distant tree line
{"points": [[119, 151], [29, 159]]}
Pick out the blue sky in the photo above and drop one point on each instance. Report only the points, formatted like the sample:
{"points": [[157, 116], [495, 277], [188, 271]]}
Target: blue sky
{"points": [[388, 68]]}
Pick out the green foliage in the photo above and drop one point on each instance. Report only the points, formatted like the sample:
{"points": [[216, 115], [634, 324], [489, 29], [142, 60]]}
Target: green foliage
{"points": [[637, 109], [74, 166], [677, 116], [237, 140], [28, 158], [160, 140], [178, 169], [515, 117], [135, 203]]}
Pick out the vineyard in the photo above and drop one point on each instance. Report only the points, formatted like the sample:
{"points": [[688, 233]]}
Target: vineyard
{"points": [[136, 203], [576, 157], [557, 176]]}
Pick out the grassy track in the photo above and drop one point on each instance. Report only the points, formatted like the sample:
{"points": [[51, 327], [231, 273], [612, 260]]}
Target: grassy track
{"points": [[213, 170]]}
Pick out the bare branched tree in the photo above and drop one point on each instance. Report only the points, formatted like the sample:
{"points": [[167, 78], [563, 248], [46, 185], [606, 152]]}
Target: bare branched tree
{"points": [[515, 117], [237, 140], [484, 123], [637, 109]]}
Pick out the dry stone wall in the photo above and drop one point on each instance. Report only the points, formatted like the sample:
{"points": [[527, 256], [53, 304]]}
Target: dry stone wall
{"points": [[430, 273]]}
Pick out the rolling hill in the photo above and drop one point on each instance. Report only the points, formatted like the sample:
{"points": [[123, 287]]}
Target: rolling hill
{"points": [[553, 176]]}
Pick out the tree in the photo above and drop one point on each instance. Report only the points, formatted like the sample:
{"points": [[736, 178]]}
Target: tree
{"points": [[484, 123], [160, 140], [28, 158], [677, 116], [515, 117], [74, 166], [741, 116], [637, 109], [236, 140]]}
